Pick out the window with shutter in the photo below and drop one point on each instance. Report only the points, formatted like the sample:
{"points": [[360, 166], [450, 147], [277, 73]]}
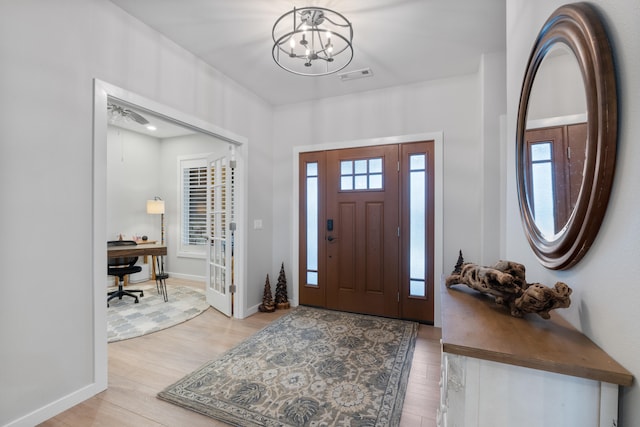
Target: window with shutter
{"points": [[193, 209]]}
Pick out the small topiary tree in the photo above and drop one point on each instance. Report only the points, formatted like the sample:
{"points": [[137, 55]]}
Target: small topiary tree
{"points": [[281, 290], [267, 305]]}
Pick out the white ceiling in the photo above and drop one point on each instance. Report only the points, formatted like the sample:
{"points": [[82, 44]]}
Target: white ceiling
{"points": [[402, 41]]}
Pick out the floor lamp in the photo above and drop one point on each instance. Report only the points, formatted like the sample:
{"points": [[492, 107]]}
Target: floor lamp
{"points": [[155, 207]]}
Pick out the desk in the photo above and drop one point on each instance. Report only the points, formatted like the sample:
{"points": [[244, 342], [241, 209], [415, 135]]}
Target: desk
{"points": [[143, 250], [138, 250]]}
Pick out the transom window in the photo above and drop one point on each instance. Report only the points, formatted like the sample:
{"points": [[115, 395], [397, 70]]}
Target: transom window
{"points": [[363, 174]]}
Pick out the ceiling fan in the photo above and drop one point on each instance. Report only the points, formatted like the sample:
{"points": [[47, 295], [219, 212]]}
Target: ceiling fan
{"points": [[117, 111]]}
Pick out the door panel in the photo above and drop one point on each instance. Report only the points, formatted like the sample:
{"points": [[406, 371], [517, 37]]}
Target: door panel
{"points": [[362, 251], [374, 244], [577, 141], [346, 250], [219, 270]]}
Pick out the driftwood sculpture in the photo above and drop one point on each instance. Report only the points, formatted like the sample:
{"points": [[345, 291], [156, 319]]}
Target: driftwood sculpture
{"points": [[506, 282]]}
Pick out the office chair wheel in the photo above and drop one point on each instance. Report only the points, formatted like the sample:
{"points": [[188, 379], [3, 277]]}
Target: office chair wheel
{"points": [[141, 294], [136, 300]]}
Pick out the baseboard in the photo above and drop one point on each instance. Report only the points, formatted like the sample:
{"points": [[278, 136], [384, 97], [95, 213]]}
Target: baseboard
{"points": [[254, 309], [186, 276], [52, 409], [251, 310]]}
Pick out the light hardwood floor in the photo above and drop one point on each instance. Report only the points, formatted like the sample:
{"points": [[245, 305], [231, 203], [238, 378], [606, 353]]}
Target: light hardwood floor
{"points": [[140, 367]]}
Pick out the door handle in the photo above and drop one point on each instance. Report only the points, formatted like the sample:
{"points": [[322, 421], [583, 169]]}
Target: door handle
{"points": [[331, 238]]}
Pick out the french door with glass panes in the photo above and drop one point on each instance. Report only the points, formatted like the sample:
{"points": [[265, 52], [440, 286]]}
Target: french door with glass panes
{"points": [[221, 227], [366, 230]]}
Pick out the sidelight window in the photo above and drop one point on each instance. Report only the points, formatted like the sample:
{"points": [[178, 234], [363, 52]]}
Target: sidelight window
{"points": [[543, 188], [417, 225], [312, 223]]}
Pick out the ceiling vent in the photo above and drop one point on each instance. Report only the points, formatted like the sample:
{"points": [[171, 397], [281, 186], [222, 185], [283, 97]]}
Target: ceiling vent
{"points": [[357, 74]]}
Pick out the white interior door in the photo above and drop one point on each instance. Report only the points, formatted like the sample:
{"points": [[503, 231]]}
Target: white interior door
{"points": [[221, 227]]}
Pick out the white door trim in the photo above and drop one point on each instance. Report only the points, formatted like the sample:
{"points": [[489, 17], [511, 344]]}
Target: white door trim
{"points": [[438, 138]]}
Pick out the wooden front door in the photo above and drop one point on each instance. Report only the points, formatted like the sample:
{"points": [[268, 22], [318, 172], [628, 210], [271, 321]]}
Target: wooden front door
{"points": [[355, 251], [362, 245]]}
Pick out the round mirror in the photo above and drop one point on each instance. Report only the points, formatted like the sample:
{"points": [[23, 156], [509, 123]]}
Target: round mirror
{"points": [[566, 136]]}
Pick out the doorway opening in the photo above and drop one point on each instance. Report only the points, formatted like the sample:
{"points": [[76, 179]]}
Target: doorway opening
{"points": [[366, 230], [364, 243], [103, 94]]}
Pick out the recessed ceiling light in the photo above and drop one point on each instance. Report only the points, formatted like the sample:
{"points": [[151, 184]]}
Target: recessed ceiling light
{"points": [[151, 128], [357, 74]]}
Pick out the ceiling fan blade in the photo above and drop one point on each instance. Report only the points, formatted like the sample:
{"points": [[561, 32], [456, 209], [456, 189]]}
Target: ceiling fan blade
{"points": [[136, 117]]}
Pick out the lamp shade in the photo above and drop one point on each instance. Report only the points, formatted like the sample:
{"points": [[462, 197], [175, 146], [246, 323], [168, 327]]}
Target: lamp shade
{"points": [[155, 206]]}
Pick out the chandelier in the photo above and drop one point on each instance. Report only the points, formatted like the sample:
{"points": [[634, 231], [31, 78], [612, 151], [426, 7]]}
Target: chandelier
{"points": [[312, 41]]}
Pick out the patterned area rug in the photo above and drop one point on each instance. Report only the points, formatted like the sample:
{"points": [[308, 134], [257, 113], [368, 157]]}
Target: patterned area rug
{"points": [[125, 319], [311, 367]]}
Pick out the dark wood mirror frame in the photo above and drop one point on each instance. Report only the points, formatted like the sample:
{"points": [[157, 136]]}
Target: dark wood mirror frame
{"points": [[578, 26]]}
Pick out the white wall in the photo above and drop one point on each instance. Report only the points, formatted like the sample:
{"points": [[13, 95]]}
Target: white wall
{"points": [[453, 106], [605, 295], [558, 89], [50, 54], [491, 77], [132, 178]]}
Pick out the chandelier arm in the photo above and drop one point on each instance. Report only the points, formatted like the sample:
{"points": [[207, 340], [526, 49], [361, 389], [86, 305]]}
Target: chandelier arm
{"points": [[348, 24], [322, 46], [320, 38], [286, 37]]}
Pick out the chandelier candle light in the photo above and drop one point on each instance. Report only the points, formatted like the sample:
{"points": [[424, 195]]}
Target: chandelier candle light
{"points": [[312, 41]]}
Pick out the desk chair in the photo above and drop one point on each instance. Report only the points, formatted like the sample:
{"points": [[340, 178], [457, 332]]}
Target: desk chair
{"points": [[121, 267]]}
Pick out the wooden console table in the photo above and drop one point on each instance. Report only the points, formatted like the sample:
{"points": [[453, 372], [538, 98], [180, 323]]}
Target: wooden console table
{"points": [[498, 370]]}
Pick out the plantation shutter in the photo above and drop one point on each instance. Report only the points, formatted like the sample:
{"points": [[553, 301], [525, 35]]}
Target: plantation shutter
{"points": [[194, 205]]}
